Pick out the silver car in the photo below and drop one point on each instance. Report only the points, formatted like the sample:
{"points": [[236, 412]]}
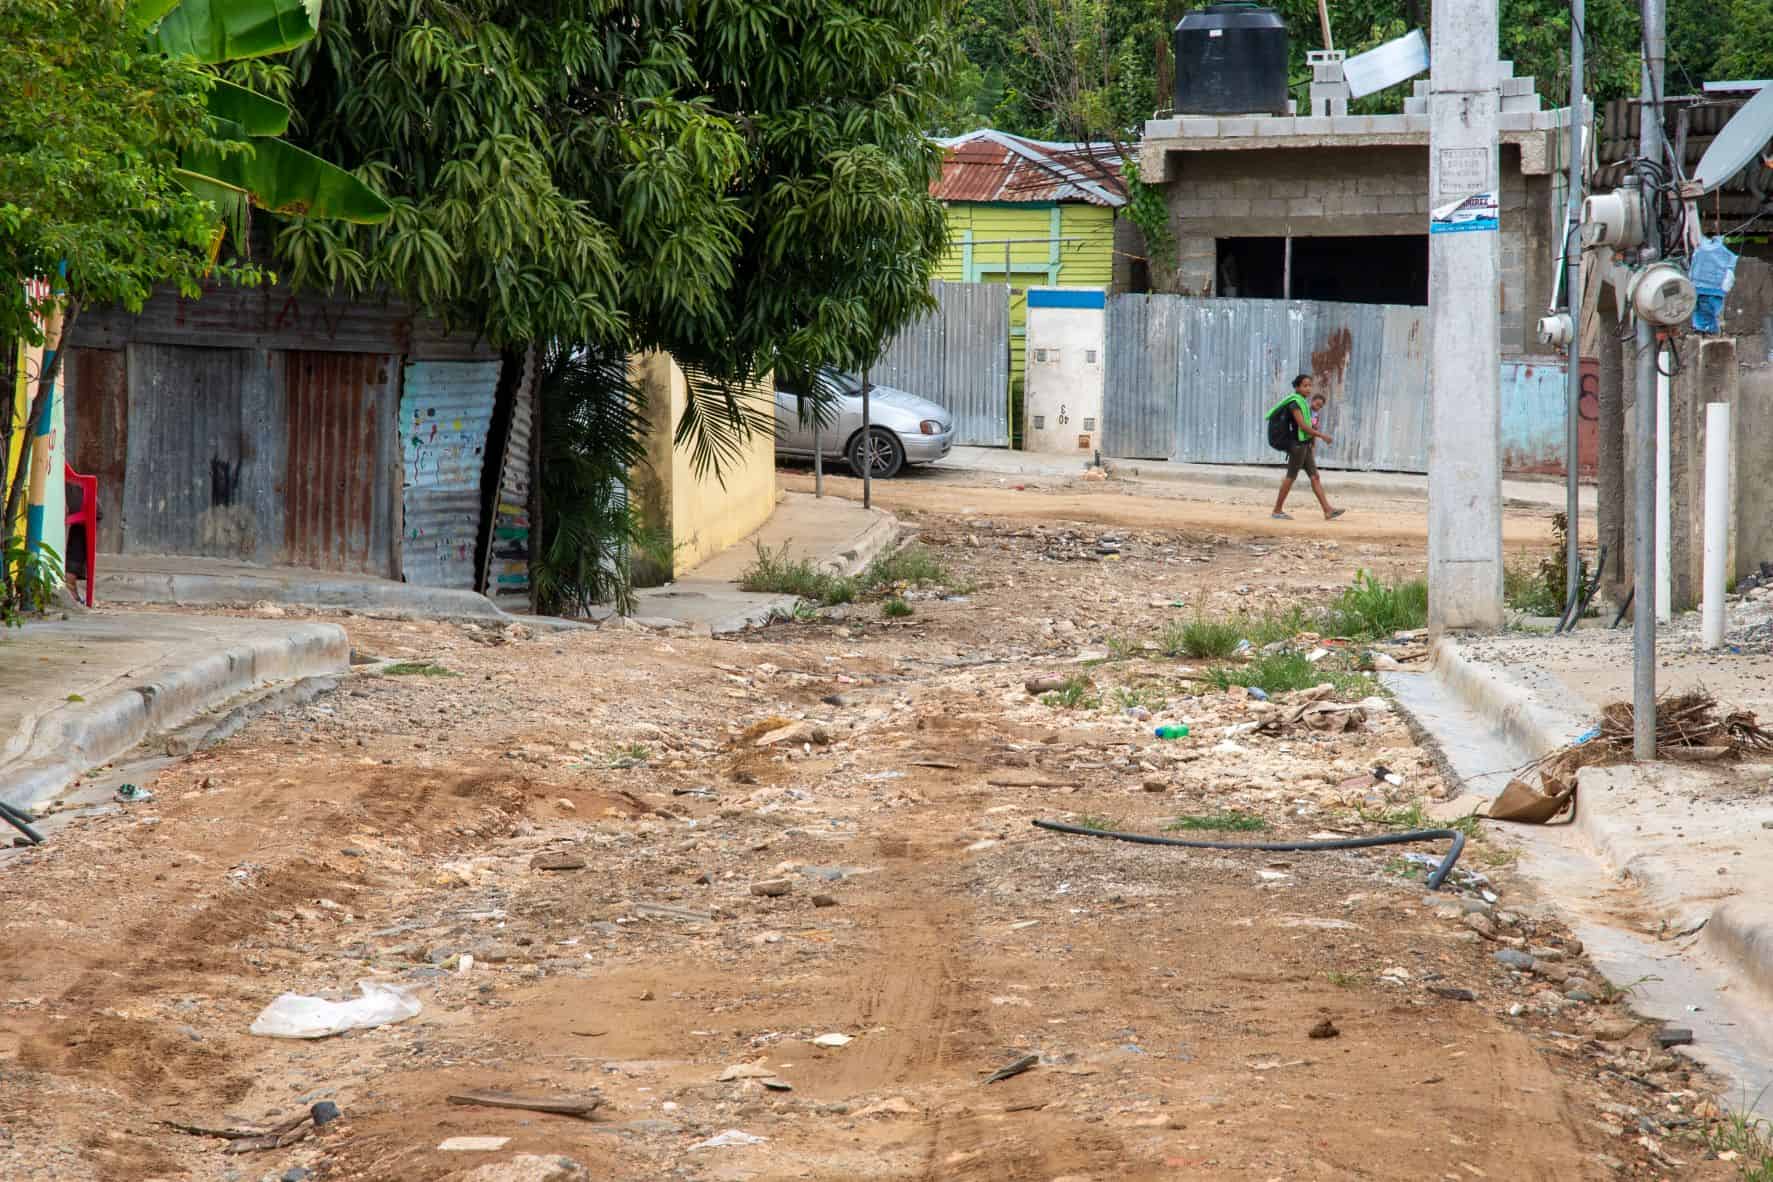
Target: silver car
{"points": [[904, 429]]}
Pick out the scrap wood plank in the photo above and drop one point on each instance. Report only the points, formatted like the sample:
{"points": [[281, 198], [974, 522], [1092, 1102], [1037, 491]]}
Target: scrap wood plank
{"points": [[559, 1106]]}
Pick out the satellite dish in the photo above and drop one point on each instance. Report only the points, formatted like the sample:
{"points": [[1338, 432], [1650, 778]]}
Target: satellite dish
{"points": [[1739, 142], [1391, 63]]}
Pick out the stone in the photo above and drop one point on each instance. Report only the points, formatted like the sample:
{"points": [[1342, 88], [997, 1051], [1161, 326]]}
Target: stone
{"points": [[1513, 958], [832, 1041], [1550, 971], [530, 1167], [297, 1174], [1551, 954], [1674, 1036], [556, 861], [891, 1106], [1481, 924], [324, 1112], [772, 888], [1613, 1029], [746, 1071], [1452, 992], [824, 901], [1324, 1029], [473, 1144]]}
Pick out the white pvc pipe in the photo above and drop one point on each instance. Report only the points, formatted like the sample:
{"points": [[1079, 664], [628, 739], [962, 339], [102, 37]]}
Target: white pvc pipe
{"points": [[1664, 596], [1717, 518]]}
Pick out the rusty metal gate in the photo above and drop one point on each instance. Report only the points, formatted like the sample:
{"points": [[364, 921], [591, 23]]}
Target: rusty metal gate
{"points": [[959, 356], [342, 459]]}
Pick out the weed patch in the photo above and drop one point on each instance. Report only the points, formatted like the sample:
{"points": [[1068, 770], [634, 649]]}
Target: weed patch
{"points": [[895, 608], [1226, 822], [1280, 673], [1372, 610], [775, 572], [911, 566], [1097, 821], [1075, 694], [417, 669]]}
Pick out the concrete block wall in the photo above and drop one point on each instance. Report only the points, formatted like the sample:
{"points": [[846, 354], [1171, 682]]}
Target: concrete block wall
{"points": [[1341, 192], [1713, 369]]}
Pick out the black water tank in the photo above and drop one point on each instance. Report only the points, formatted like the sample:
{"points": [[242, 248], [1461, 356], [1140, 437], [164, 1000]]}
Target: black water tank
{"points": [[1231, 59]]}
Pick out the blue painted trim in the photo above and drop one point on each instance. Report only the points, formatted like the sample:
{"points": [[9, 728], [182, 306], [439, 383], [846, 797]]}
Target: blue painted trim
{"points": [[1067, 297]]}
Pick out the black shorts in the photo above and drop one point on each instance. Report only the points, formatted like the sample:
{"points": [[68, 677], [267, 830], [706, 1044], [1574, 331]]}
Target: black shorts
{"points": [[1301, 455]]}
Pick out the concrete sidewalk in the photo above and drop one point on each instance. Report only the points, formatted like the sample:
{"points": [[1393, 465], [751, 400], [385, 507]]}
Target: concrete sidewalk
{"points": [[1668, 866], [79, 692], [1516, 493], [838, 535], [200, 582]]}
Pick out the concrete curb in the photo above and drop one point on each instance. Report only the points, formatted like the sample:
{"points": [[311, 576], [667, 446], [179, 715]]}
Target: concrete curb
{"points": [[1514, 709], [1743, 932], [880, 536], [71, 739], [203, 589], [1739, 932]]}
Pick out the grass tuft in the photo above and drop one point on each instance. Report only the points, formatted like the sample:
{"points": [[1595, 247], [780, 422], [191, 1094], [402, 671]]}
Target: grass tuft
{"points": [[895, 608], [1372, 610], [1749, 1139], [1097, 821], [1075, 694], [775, 572], [1203, 639], [1280, 673], [911, 566], [417, 669], [1230, 821]]}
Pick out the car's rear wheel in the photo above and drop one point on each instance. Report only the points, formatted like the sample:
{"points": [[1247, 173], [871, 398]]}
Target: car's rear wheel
{"points": [[880, 451]]}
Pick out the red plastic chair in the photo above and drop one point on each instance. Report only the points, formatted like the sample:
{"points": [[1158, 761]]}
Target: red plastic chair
{"points": [[86, 515]]}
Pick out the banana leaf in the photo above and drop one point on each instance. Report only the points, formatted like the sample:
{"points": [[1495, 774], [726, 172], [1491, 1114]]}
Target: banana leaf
{"points": [[215, 31], [247, 112], [284, 179]]}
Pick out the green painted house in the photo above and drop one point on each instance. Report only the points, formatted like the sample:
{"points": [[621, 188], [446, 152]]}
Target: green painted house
{"points": [[1034, 213]]}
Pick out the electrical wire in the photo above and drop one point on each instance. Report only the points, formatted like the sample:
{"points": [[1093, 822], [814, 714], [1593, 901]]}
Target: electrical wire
{"points": [[1287, 847]]}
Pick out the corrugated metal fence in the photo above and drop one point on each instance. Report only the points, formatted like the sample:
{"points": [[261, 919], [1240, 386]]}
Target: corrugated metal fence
{"points": [[1190, 378], [446, 410], [959, 356]]}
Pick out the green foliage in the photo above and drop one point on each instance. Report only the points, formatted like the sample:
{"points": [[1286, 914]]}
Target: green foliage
{"points": [[1279, 673], [1544, 590], [1372, 610], [1075, 694], [778, 573], [417, 669], [1150, 697], [589, 534], [31, 582], [631, 755], [1414, 817], [895, 608], [908, 566], [92, 120], [744, 185], [1229, 821], [1202, 639]]}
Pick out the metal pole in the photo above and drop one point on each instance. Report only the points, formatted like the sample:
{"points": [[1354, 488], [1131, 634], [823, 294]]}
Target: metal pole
{"points": [[818, 456], [1573, 300], [1643, 672], [1287, 268], [867, 446]]}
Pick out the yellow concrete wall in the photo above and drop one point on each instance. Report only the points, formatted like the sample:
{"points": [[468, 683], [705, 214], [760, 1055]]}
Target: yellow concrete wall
{"points": [[704, 514]]}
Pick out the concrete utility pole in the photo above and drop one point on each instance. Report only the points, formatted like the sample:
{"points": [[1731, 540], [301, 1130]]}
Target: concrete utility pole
{"points": [[1643, 612], [1464, 324], [1573, 301]]}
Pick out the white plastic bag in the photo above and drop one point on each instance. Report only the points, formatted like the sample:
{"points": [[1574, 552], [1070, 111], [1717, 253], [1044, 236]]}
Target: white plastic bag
{"points": [[295, 1015]]}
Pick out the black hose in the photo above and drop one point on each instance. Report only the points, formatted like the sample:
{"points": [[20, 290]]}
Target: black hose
{"points": [[1580, 599], [1288, 847], [20, 820], [1625, 607]]}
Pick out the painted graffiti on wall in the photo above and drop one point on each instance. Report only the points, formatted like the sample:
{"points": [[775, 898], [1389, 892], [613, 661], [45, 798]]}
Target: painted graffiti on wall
{"points": [[445, 414]]}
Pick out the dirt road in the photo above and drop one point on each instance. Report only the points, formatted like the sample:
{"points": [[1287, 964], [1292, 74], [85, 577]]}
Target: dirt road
{"points": [[663, 871]]}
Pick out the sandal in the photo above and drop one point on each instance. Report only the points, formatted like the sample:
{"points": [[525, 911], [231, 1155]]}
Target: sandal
{"points": [[1281, 516], [1335, 513]]}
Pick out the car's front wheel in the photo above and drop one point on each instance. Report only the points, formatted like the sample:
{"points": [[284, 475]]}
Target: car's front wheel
{"points": [[880, 451]]}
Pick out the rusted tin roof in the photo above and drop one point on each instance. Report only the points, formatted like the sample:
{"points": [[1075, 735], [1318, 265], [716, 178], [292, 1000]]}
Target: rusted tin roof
{"points": [[989, 165]]}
